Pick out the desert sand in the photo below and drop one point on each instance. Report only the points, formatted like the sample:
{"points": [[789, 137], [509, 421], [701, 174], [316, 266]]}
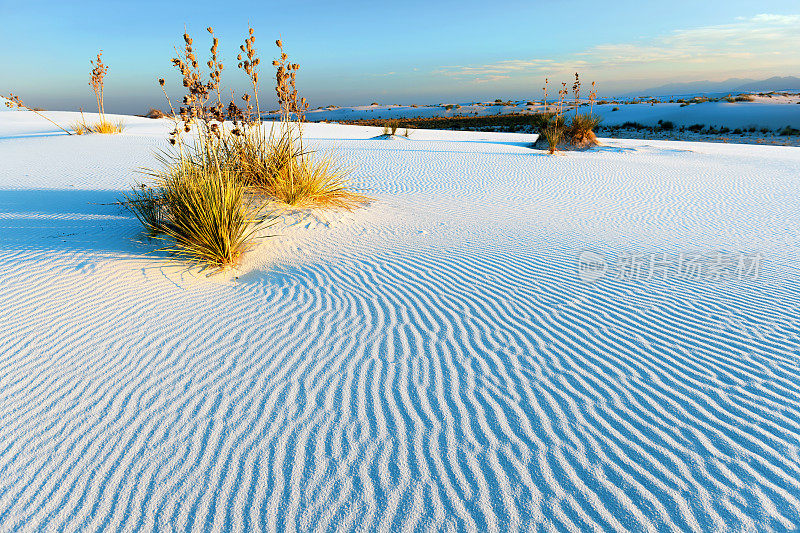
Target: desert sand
{"points": [[435, 361]]}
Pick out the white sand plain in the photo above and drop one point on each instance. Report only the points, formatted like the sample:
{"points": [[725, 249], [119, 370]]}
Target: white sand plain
{"points": [[431, 362]]}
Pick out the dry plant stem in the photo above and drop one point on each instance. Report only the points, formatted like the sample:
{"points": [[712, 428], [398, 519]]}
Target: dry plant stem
{"points": [[576, 92], [98, 84], [546, 80], [16, 101]]}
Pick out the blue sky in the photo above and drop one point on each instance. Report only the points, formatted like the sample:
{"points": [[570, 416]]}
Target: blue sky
{"points": [[356, 52]]}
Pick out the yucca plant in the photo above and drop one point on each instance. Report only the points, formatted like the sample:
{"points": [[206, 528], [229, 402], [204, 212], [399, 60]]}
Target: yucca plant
{"points": [[553, 134], [315, 180], [581, 130], [209, 198], [206, 215], [390, 128], [97, 82]]}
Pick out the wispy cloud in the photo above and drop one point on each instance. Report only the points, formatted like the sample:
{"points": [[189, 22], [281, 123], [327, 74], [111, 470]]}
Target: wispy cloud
{"points": [[762, 41]]}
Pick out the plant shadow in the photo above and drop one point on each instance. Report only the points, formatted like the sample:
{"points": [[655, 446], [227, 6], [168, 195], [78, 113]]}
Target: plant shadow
{"points": [[71, 220]]}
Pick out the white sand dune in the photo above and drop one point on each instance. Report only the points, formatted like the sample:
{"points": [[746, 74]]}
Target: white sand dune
{"points": [[430, 362]]}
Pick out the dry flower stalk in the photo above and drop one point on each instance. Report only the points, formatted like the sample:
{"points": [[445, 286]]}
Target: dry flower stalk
{"points": [[97, 81], [14, 100]]}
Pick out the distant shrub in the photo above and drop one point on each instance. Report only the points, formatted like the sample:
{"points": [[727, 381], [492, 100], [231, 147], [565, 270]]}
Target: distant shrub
{"points": [[615, 109], [155, 113], [666, 125], [741, 98], [390, 128], [789, 131], [633, 125], [696, 128]]}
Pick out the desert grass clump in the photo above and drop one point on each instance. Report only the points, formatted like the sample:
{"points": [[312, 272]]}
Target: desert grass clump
{"points": [[106, 127], [316, 180], [198, 205], [390, 128], [554, 129], [553, 134], [298, 178], [205, 215], [552, 126], [581, 130], [225, 169]]}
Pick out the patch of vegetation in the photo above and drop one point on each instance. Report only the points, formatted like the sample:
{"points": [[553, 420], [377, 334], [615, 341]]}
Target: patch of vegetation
{"points": [[505, 122], [215, 188]]}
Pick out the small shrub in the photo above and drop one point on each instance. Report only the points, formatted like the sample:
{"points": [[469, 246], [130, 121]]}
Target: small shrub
{"points": [[666, 125], [581, 130], [615, 109], [789, 131], [315, 181], [633, 125], [553, 134], [208, 197], [204, 214], [155, 113], [696, 128], [107, 127], [391, 127]]}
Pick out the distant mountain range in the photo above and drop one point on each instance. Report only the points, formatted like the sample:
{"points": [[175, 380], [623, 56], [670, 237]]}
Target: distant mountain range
{"points": [[733, 85]]}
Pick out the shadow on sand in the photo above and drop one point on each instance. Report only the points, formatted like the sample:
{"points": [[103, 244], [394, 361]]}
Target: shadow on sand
{"points": [[72, 221]]}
